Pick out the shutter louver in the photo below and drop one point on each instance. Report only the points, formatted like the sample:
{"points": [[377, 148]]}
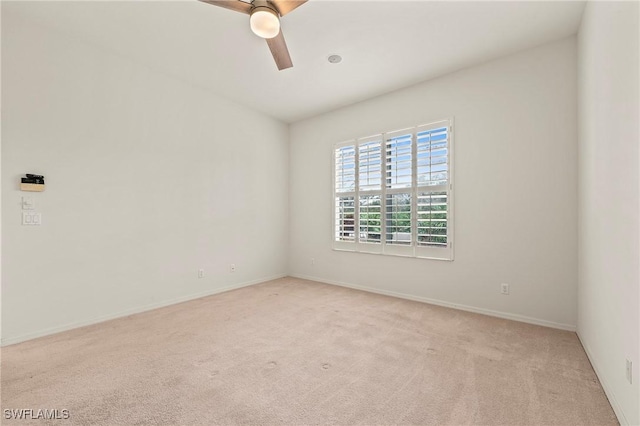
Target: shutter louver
{"points": [[432, 219], [370, 166], [398, 166], [346, 169], [370, 218], [345, 219], [432, 153], [398, 219]]}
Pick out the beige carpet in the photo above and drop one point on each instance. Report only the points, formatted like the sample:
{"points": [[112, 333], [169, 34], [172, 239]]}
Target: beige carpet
{"points": [[297, 352]]}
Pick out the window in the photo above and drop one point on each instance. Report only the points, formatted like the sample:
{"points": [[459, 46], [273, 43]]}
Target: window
{"points": [[393, 193]]}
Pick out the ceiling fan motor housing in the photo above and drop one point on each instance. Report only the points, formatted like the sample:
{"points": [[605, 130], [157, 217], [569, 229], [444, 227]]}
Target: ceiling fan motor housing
{"points": [[264, 4]]}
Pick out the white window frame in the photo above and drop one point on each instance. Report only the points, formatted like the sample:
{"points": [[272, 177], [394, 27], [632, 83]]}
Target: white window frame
{"points": [[412, 250]]}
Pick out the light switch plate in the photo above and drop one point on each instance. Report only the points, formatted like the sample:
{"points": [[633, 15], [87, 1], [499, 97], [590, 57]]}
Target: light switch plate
{"points": [[28, 203]]}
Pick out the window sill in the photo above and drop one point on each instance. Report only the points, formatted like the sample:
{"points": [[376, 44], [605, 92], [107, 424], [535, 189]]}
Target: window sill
{"points": [[446, 259]]}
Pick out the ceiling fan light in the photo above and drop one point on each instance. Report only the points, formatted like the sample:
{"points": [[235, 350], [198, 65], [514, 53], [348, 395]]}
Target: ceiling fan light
{"points": [[264, 22]]}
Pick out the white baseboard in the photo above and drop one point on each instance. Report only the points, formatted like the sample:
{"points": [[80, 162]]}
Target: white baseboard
{"points": [[617, 408], [58, 329], [505, 315]]}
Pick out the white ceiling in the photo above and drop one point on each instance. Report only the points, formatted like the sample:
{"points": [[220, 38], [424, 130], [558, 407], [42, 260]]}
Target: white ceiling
{"points": [[385, 45]]}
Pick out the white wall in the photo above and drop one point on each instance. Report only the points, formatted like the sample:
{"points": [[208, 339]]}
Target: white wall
{"points": [[515, 194], [608, 321], [148, 180], [0, 179]]}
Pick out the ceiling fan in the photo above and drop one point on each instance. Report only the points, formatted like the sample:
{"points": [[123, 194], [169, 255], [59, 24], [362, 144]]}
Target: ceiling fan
{"points": [[265, 22]]}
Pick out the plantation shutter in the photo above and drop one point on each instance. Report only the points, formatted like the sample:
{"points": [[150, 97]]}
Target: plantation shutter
{"points": [[370, 165], [346, 169], [393, 193], [432, 153], [433, 189], [398, 160], [345, 186], [369, 195]]}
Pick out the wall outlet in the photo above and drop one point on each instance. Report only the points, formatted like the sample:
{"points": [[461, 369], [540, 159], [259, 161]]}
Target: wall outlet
{"points": [[200, 273], [31, 218], [313, 261], [629, 372], [233, 267], [504, 288]]}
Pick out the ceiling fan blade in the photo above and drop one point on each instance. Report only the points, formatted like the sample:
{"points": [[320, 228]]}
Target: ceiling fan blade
{"points": [[237, 5], [286, 6], [278, 48]]}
